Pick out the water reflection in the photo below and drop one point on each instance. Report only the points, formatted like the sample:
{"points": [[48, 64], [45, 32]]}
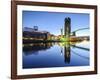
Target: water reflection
{"points": [[67, 54], [35, 47], [55, 54]]}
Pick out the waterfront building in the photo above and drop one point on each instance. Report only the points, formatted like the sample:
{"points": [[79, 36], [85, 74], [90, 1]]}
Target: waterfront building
{"points": [[35, 34], [67, 27]]}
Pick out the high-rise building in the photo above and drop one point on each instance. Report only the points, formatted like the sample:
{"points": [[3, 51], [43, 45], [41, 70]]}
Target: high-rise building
{"points": [[67, 27]]}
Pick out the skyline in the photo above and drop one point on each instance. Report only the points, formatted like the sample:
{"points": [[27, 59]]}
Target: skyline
{"points": [[54, 21]]}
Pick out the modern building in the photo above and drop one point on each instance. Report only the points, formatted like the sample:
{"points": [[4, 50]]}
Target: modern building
{"points": [[67, 27], [35, 34]]}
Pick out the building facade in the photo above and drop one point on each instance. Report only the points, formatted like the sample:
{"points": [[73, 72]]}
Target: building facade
{"points": [[67, 27], [35, 34]]}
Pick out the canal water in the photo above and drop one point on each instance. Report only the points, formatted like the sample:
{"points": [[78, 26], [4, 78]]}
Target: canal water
{"points": [[55, 54]]}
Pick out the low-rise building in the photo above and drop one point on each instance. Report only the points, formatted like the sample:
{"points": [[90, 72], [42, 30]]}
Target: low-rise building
{"points": [[35, 34]]}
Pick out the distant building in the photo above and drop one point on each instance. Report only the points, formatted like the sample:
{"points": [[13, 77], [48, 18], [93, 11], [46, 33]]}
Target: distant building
{"points": [[34, 34]]}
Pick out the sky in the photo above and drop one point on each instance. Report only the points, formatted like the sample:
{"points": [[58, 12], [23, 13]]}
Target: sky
{"points": [[54, 21]]}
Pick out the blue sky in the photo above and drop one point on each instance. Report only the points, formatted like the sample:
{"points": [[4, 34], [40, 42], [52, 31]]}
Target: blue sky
{"points": [[54, 21]]}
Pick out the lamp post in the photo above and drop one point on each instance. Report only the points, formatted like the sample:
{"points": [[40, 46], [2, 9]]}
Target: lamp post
{"points": [[61, 32]]}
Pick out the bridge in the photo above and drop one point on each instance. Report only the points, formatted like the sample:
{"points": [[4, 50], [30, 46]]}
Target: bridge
{"points": [[74, 32]]}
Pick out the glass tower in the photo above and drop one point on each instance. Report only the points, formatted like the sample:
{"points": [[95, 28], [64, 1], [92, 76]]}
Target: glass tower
{"points": [[67, 27]]}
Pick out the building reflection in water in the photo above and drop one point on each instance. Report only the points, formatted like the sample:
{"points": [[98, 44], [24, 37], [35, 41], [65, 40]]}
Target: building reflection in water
{"points": [[67, 54], [34, 48], [65, 49]]}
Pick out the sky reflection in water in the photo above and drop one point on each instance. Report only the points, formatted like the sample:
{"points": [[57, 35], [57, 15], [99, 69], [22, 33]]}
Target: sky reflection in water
{"points": [[41, 55]]}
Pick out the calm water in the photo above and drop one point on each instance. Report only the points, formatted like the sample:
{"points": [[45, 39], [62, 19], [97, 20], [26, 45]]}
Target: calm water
{"points": [[41, 55]]}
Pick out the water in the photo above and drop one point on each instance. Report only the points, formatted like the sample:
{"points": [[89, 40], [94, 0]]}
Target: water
{"points": [[55, 54]]}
